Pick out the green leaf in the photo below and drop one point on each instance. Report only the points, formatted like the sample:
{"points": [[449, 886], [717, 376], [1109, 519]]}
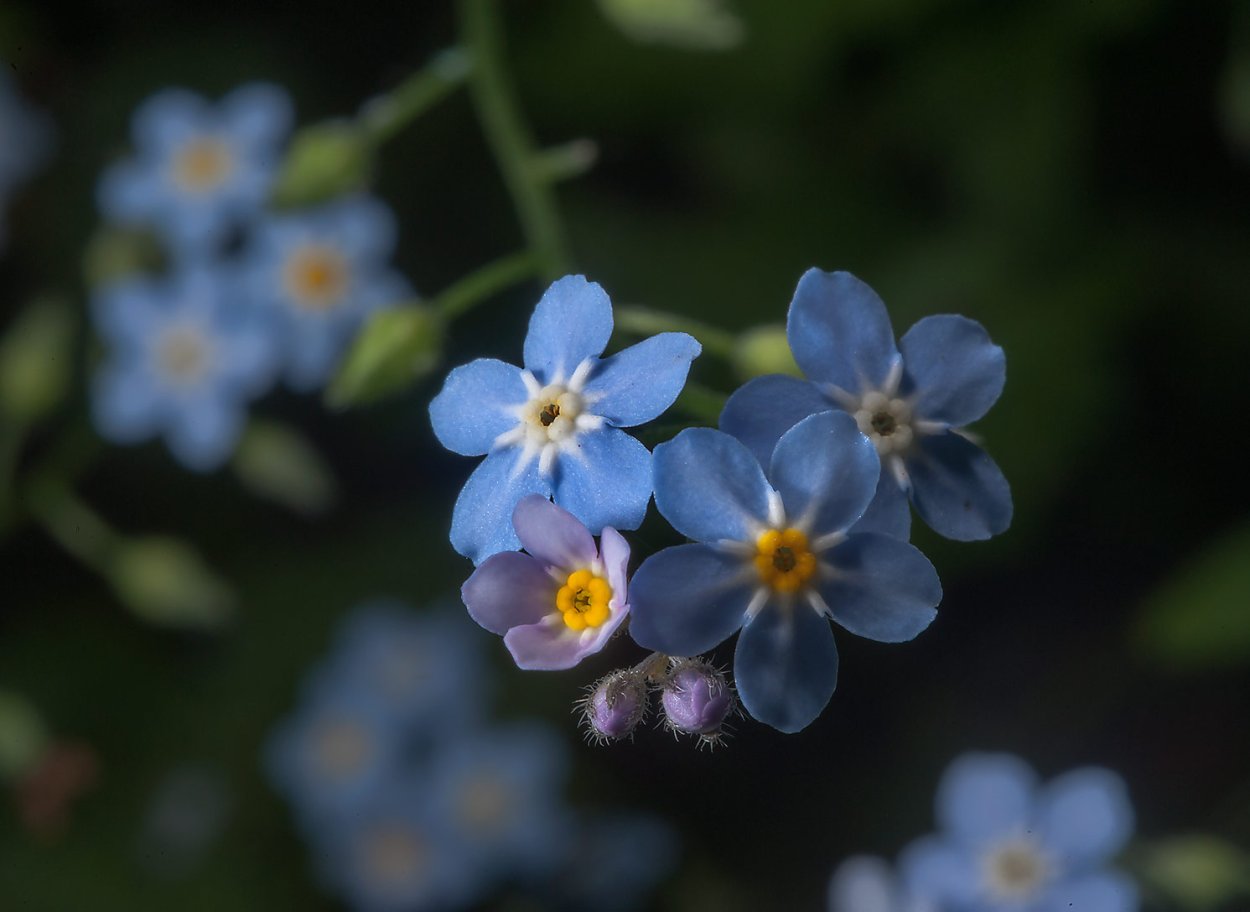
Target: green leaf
{"points": [[394, 349], [35, 361], [116, 253], [1197, 873], [324, 161], [278, 464], [164, 581], [1199, 617]]}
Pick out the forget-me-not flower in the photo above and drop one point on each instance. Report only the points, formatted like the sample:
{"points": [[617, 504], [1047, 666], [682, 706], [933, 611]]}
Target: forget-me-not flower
{"points": [[199, 169], [321, 272], [864, 883], [563, 600], [185, 358], [24, 137], [911, 400], [1009, 844], [554, 427], [772, 555]]}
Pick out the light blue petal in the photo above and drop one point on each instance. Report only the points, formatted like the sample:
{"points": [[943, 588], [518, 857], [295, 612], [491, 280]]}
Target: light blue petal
{"points": [[128, 313], [1107, 891], [984, 797], [786, 666], [475, 405], [125, 404], [939, 873], [890, 511], [128, 193], [1085, 815], [840, 332], [606, 480], [168, 118], [826, 472], [258, 114], [957, 488], [881, 588], [687, 599], [312, 350], [637, 384], [864, 884], [709, 486], [362, 226], [954, 369], [571, 323], [204, 430], [481, 523], [763, 409]]}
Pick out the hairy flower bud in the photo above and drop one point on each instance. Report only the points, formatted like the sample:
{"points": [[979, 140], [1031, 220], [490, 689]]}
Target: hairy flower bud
{"points": [[614, 706], [696, 699]]}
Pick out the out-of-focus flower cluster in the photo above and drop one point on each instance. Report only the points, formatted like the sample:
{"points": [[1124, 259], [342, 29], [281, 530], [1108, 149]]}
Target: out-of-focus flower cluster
{"points": [[1007, 843], [411, 797], [246, 296]]}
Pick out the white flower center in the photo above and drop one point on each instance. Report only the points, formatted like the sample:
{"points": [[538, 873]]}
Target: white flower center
{"points": [[549, 421], [182, 355], [1015, 870], [886, 422]]}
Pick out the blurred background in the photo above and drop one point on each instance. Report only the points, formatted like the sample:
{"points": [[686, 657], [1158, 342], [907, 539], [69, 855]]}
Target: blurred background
{"points": [[1074, 174]]}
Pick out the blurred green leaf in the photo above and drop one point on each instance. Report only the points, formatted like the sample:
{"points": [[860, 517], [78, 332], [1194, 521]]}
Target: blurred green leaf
{"points": [[118, 253], [275, 462], [1197, 873], [324, 160], [394, 348], [764, 350], [23, 736], [704, 25], [164, 581], [1198, 618], [35, 360]]}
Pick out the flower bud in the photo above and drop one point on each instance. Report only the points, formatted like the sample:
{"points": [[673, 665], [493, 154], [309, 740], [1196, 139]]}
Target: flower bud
{"points": [[696, 699], [614, 706]]}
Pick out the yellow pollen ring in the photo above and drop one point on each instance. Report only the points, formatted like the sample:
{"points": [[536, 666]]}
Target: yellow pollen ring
{"points": [[316, 277], [783, 559], [202, 164], [583, 600]]}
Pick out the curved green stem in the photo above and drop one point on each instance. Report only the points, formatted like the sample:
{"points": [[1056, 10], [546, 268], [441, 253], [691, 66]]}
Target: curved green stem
{"points": [[386, 115], [509, 139], [483, 283], [642, 321]]}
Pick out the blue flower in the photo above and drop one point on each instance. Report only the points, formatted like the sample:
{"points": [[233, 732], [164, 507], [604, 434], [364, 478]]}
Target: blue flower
{"points": [[1010, 845], [554, 428], [26, 137], [772, 555], [185, 358], [322, 272], [911, 400], [863, 883], [200, 170]]}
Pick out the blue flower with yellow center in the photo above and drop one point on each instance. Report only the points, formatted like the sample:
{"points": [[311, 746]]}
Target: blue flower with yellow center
{"points": [[554, 427], [772, 556], [200, 170], [911, 400]]}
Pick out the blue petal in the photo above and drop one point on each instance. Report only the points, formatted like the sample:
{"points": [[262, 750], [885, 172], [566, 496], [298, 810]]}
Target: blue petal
{"points": [[481, 523], [763, 409], [826, 472], [687, 599], [126, 404], [1085, 815], [363, 227], [954, 369], [1106, 891], [204, 430], [840, 332], [571, 323], [786, 666], [864, 884], [890, 511], [258, 114], [984, 797], [606, 481], [882, 588], [168, 118], [476, 404], [957, 488], [128, 192], [709, 486], [637, 384], [940, 873]]}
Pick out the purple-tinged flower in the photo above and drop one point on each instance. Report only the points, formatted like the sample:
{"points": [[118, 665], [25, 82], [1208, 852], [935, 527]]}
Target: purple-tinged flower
{"points": [[911, 400], [563, 600], [614, 705], [772, 556], [321, 273], [185, 359], [697, 700], [1009, 844], [554, 427], [200, 169]]}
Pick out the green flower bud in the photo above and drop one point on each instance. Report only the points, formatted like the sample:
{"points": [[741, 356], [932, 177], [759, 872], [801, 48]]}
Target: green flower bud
{"points": [[764, 350], [701, 25], [35, 361], [324, 160], [23, 737], [165, 582], [393, 349], [277, 463]]}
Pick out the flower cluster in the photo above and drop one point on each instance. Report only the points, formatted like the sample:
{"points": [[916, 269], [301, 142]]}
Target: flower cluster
{"points": [[26, 137], [282, 293], [1007, 844], [412, 798], [796, 508]]}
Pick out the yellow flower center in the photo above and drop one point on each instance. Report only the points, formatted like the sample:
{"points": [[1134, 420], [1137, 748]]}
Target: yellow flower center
{"points": [[315, 277], [202, 164], [394, 855], [485, 803], [783, 560], [583, 600], [182, 355], [1015, 871]]}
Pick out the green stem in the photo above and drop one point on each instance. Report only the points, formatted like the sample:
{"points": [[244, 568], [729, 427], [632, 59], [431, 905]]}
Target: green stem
{"points": [[72, 524], [509, 139], [386, 115], [642, 321], [484, 283]]}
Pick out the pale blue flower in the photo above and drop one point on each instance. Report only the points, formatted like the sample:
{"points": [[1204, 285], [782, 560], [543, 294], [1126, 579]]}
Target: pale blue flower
{"points": [[864, 883]]}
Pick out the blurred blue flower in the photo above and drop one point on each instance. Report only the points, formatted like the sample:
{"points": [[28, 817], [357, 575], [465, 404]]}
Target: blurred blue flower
{"points": [[617, 861], [863, 883], [554, 428], [1009, 844], [26, 135], [322, 272], [199, 169], [563, 600], [185, 358], [771, 555], [911, 400]]}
